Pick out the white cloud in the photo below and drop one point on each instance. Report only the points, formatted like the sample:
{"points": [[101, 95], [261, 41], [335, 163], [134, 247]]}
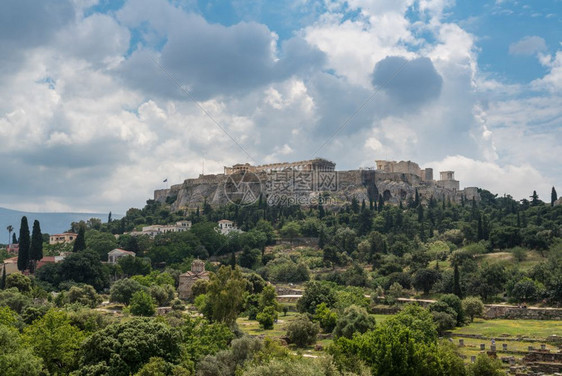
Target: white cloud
{"points": [[528, 45]]}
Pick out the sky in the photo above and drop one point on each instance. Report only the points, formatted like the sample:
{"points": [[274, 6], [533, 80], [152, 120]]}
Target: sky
{"points": [[101, 101]]}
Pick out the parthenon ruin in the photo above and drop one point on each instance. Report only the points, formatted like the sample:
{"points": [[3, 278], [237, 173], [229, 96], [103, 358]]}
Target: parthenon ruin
{"points": [[318, 164]]}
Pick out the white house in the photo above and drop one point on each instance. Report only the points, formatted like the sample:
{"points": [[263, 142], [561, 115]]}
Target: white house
{"points": [[226, 227], [117, 253]]}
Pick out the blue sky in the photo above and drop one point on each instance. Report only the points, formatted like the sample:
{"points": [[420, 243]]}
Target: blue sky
{"points": [[92, 119]]}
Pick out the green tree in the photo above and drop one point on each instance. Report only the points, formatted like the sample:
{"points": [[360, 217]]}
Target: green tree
{"points": [[56, 341], [485, 366], [314, 294], [85, 295], [159, 367], [424, 279], [80, 241], [17, 359], [225, 294], [553, 196], [131, 265], [36, 247], [3, 279], [291, 230], [123, 290], [473, 307], [267, 317], [19, 281], [82, 267], [403, 345], [302, 332], [326, 318], [23, 252], [142, 304], [122, 348], [354, 319]]}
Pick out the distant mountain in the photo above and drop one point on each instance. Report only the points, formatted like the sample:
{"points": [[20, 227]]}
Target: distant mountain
{"points": [[51, 223]]}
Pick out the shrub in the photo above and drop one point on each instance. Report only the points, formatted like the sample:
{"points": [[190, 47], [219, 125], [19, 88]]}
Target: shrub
{"points": [[354, 320], [123, 290], [19, 281], [326, 318], [473, 307], [267, 317], [142, 304], [302, 331], [85, 295]]}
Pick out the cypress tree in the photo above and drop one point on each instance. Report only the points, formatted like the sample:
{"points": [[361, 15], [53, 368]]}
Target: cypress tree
{"points": [[480, 229], [109, 218], [416, 198], [420, 213], [381, 203], [14, 238], [80, 242], [456, 282], [23, 253], [36, 249], [553, 196], [3, 280]]}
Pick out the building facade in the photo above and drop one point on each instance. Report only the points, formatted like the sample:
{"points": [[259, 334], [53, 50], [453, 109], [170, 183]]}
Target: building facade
{"points": [[188, 279]]}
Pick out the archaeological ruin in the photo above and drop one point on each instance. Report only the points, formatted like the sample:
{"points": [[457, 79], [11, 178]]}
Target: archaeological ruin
{"points": [[309, 182]]}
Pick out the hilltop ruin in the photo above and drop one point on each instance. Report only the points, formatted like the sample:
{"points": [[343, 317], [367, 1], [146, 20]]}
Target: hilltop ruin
{"points": [[309, 182]]}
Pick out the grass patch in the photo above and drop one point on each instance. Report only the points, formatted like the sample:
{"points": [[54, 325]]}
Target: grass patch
{"points": [[535, 329]]}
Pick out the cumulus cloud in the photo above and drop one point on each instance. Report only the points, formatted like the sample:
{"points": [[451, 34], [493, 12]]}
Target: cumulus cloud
{"points": [[90, 122], [410, 82], [528, 45]]}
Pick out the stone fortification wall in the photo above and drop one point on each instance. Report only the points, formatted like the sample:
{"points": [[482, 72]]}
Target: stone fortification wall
{"points": [[361, 184], [517, 313]]}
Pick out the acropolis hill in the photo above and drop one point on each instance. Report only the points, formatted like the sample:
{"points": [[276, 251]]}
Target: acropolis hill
{"points": [[307, 181]]}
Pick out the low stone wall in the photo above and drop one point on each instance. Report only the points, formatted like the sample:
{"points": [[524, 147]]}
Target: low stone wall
{"points": [[518, 313]]}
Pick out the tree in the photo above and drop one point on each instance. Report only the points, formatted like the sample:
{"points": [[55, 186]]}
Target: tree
{"points": [[36, 248], [553, 196], [83, 267], [302, 332], [535, 199], [121, 349], [250, 258], [80, 242], [19, 281], [456, 282], [14, 239], [424, 279], [267, 317], [162, 295], [473, 307], [16, 358], [314, 294], [405, 344], [142, 304], [354, 319], [3, 279], [23, 252], [225, 294], [123, 290], [10, 228], [291, 230], [485, 366], [131, 265], [85, 295], [159, 367], [56, 341], [326, 318]]}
